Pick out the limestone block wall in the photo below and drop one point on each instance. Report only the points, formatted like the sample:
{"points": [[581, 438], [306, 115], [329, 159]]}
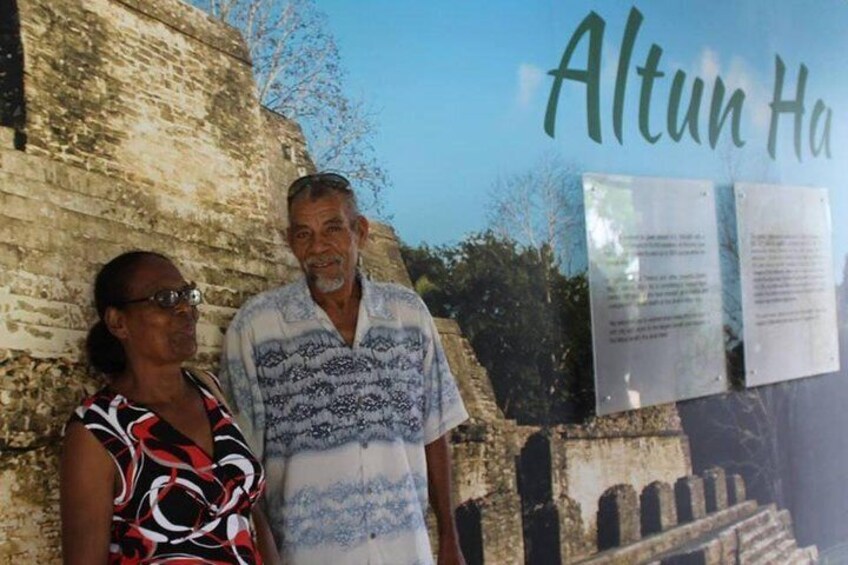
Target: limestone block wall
{"points": [[484, 453], [57, 225], [286, 158], [635, 448], [381, 256], [150, 91]]}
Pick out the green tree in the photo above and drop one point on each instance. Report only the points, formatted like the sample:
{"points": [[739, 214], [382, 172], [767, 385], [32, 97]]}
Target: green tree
{"points": [[509, 301], [575, 401]]}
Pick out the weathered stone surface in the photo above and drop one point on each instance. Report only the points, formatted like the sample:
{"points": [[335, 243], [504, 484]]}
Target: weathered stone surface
{"points": [[474, 384], [571, 520], [735, 489], [29, 506], [653, 420], [715, 489], [585, 466], [381, 257], [659, 511], [36, 398], [285, 151], [618, 517], [154, 93], [485, 484], [689, 498]]}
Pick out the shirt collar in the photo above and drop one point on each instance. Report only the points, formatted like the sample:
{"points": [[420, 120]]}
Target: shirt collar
{"points": [[298, 305]]}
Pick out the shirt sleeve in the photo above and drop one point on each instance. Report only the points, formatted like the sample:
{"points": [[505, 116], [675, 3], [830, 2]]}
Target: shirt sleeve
{"points": [[443, 406], [240, 384]]}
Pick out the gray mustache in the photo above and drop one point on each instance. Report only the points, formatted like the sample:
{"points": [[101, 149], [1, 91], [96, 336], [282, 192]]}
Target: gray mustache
{"points": [[323, 259]]}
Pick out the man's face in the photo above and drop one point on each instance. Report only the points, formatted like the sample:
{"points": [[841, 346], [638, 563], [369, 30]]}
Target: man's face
{"points": [[325, 243]]}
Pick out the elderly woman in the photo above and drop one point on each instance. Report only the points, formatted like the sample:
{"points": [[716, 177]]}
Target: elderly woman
{"points": [[154, 469]]}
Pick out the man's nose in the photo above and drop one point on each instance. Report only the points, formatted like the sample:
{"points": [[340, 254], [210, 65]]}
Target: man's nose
{"points": [[318, 243]]}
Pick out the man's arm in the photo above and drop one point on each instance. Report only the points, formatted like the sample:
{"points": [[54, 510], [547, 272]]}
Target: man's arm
{"points": [[439, 488], [443, 410]]}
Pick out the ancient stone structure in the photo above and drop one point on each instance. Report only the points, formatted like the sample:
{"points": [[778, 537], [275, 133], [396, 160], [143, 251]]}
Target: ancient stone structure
{"points": [[133, 124]]}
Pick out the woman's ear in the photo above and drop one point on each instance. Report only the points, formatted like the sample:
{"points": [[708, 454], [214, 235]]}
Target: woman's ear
{"points": [[116, 323]]}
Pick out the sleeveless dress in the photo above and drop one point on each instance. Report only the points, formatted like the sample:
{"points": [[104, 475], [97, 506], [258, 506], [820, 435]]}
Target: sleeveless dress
{"points": [[176, 504]]}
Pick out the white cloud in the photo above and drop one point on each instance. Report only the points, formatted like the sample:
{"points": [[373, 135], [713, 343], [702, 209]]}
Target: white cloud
{"points": [[757, 95], [529, 79], [737, 75], [708, 65]]}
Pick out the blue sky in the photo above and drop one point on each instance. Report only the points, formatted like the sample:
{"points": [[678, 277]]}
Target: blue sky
{"points": [[460, 90]]}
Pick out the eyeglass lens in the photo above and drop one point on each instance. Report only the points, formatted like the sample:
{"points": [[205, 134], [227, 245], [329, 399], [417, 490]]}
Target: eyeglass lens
{"points": [[170, 298]]}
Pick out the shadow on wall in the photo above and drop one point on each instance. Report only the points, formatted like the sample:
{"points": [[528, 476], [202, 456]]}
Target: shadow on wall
{"points": [[470, 529], [539, 513], [788, 441], [12, 108]]}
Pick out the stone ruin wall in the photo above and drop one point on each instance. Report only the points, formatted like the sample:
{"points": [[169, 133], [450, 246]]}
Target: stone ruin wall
{"points": [[143, 131]]}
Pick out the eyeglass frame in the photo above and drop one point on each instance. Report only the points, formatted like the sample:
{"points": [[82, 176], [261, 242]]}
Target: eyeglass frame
{"points": [[334, 181], [183, 295]]}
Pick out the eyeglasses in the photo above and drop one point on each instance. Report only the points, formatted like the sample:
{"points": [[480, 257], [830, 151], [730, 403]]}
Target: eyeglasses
{"points": [[169, 299], [331, 180]]}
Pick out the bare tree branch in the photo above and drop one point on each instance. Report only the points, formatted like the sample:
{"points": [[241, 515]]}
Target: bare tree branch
{"points": [[298, 73], [541, 208]]}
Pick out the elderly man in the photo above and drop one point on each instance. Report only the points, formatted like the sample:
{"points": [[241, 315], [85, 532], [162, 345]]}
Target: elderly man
{"points": [[345, 392]]}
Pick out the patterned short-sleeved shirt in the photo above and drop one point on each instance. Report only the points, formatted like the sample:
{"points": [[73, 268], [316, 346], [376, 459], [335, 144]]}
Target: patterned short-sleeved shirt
{"points": [[342, 429]]}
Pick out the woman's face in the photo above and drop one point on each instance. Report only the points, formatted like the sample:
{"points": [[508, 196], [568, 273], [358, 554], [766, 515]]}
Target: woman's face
{"points": [[149, 333]]}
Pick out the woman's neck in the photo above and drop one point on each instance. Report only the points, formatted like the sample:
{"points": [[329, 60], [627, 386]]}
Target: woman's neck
{"points": [[151, 385]]}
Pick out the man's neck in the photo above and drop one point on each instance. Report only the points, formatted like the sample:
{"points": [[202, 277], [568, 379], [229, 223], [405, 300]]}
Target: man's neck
{"points": [[345, 299], [342, 307]]}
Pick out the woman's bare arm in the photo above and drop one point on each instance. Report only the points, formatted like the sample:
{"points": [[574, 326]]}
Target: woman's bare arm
{"points": [[264, 537], [86, 494]]}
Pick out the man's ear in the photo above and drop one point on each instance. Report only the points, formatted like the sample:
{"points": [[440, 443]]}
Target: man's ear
{"points": [[361, 228], [116, 323]]}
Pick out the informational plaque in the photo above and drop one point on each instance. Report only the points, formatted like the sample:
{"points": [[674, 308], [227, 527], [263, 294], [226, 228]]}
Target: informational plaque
{"points": [[788, 292], [655, 290]]}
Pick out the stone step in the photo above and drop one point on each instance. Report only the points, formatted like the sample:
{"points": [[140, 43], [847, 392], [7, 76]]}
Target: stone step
{"points": [[761, 538], [769, 537], [719, 545], [812, 552], [780, 552], [756, 541], [755, 536], [786, 518], [680, 539], [802, 557], [752, 526], [7, 138]]}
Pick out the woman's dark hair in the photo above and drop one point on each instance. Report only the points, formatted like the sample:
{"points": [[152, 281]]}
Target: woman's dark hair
{"points": [[105, 353]]}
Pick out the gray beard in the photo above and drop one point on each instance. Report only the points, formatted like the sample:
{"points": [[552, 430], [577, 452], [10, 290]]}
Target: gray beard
{"points": [[326, 285]]}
